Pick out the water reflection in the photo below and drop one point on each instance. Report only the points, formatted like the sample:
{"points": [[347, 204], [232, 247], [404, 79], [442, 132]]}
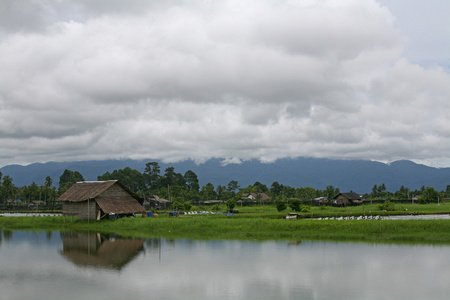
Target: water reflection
{"points": [[68, 265], [99, 250]]}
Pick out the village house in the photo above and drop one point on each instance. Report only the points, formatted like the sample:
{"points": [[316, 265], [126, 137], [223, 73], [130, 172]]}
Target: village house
{"points": [[254, 197], [95, 200], [156, 202], [347, 199]]}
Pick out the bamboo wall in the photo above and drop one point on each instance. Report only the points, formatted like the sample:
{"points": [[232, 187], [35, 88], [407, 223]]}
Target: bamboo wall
{"points": [[80, 209]]}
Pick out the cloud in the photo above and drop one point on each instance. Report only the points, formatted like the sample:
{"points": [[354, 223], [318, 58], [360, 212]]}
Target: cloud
{"points": [[237, 80]]}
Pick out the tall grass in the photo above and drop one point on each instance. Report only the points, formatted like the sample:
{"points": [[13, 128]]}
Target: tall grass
{"points": [[250, 227]]}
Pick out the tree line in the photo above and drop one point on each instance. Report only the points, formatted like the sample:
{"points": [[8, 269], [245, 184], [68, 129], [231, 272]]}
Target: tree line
{"points": [[186, 188]]}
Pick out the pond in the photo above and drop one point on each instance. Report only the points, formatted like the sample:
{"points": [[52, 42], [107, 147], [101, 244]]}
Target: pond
{"points": [[71, 265]]}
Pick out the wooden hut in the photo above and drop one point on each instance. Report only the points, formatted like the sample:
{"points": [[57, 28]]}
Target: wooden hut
{"points": [[94, 200]]}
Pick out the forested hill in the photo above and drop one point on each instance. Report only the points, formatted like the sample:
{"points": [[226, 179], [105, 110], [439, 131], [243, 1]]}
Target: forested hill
{"points": [[356, 175]]}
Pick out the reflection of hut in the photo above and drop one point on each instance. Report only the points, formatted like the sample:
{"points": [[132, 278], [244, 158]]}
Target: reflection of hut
{"points": [[95, 250], [97, 199]]}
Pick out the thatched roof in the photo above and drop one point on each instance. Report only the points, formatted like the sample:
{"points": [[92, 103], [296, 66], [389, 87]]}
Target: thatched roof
{"points": [[118, 206], [91, 190], [85, 190]]}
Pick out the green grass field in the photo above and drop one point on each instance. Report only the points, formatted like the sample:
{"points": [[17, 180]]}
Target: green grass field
{"points": [[260, 223]]}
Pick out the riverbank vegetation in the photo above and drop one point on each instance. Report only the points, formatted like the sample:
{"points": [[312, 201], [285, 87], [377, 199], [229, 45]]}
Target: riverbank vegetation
{"points": [[261, 222]]}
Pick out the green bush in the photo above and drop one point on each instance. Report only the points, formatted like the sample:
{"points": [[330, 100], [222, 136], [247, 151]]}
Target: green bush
{"points": [[281, 205], [177, 205], [187, 206], [387, 206], [231, 203], [295, 205], [305, 208], [215, 207]]}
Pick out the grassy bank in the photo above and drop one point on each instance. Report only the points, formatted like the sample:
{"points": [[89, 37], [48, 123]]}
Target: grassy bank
{"points": [[246, 226]]}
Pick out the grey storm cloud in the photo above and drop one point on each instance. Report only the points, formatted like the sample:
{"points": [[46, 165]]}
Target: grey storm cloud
{"points": [[237, 80]]}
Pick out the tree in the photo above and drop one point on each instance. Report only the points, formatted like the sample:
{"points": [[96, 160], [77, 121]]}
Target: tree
{"points": [[191, 181], [208, 192], [305, 193], [231, 188], [131, 178], [374, 193], [429, 196], [7, 190], [67, 179], [221, 192], [172, 178], [258, 187], [276, 189], [48, 182], [330, 191], [151, 174]]}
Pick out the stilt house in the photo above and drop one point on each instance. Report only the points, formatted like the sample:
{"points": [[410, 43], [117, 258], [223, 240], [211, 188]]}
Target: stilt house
{"points": [[95, 200]]}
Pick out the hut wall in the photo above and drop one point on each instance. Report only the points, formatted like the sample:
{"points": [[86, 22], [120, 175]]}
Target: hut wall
{"points": [[80, 209]]}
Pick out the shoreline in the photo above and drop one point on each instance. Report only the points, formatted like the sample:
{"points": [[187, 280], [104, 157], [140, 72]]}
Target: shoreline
{"points": [[248, 228]]}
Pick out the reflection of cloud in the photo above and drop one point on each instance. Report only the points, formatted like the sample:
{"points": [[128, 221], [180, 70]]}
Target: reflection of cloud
{"points": [[96, 250], [318, 270], [232, 270]]}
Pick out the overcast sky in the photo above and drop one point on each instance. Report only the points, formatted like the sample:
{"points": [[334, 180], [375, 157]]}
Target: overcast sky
{"points": [[230, 79]]}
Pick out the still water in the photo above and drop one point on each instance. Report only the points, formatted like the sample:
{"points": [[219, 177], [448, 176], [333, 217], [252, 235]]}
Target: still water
{"points": [[70, 265]]}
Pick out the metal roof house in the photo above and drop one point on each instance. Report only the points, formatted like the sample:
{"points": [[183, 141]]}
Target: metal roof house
{"points": [[95, 200]]}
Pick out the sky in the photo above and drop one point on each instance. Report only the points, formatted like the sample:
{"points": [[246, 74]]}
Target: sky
{"points": [[232, 79]]}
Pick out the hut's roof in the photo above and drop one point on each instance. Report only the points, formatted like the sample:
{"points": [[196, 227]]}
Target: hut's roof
{"points": [[118, 206], [85, 190]]}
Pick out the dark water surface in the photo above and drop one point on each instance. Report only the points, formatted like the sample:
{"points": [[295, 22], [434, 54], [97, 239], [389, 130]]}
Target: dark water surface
{"points": [[70, 265]]}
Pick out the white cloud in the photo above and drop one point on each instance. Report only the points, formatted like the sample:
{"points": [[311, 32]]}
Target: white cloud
{"points": [[229, 79]]}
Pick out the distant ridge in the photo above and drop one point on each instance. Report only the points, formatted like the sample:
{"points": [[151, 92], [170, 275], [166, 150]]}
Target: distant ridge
{"points": [[355, 175]]}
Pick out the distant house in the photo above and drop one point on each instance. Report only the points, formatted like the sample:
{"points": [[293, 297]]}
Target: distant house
{"points": [[320, 201], [255, 197], [94, 200], [156, 202], [348, 199]]}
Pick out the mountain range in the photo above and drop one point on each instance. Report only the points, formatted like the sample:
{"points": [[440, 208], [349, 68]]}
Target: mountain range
{"points": [[347, 175]]}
